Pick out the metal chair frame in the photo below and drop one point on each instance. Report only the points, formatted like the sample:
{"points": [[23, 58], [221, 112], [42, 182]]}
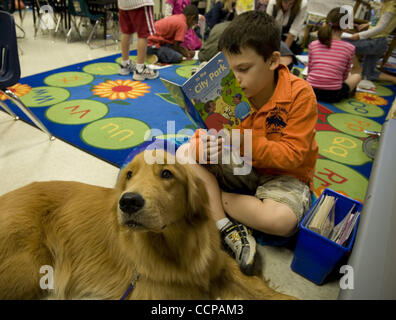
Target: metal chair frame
{"points": [[10, 69], [79, 8]]}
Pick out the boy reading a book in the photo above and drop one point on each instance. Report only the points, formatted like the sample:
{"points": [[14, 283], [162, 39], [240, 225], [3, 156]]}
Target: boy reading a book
{"points": [[170, 33], [274, 197]]}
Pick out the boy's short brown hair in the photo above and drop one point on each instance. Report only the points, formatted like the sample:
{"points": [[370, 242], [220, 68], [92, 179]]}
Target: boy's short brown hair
{"points": [[191, 10], [253, 29]]}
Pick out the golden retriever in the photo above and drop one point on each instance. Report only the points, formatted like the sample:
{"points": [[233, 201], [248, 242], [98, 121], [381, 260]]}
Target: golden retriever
{"points": [[153, 226]]}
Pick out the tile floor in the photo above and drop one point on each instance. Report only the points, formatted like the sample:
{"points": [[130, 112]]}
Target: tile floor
{"points": [[27, 155]]}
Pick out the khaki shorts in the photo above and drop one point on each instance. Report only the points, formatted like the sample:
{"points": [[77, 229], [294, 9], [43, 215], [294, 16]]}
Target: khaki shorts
{"points": [[283, 189]]}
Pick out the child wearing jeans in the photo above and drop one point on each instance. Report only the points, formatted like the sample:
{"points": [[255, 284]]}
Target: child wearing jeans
{"points": [[191, 40], [170, 33], [329, 62], [372, 43], [276, 194]]}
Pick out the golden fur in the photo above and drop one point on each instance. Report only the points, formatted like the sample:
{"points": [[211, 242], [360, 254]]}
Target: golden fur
{"points": [[81, 232]]}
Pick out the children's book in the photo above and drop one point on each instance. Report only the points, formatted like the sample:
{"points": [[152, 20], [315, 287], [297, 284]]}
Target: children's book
{"points": [[340, 227], [323, 221], [244, 5], [212, 97], [313, 211], [303, 58]]}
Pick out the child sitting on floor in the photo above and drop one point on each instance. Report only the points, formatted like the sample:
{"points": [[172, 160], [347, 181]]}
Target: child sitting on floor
{"points": [[275, 195], [191, 40], [329, 62], [372, 44], [170, 33]]}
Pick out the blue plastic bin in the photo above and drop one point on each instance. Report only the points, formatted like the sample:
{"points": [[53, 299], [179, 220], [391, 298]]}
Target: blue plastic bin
{"points": [[316, 256]]}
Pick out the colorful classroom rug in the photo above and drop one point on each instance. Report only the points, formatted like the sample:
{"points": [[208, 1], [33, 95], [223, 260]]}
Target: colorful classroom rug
{"points": [[107, 115], [342, 164]]}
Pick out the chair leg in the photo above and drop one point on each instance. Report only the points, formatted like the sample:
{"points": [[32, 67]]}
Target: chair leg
{"points": [[92, 33], [58, 22], [77, 28], [36, 25], [23, 31], [14, 98], [9, 111], [68, 35], [74, 25], [388, 53]]}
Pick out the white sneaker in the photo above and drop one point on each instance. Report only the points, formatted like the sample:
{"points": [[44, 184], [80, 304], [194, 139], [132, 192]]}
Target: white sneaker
{"points": [[146, 73], [241, 245], [125, 70], [366, 85]]}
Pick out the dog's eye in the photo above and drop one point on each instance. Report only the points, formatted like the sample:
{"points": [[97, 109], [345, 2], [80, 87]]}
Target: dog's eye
{"points": [[166, 174], [129, 175]]}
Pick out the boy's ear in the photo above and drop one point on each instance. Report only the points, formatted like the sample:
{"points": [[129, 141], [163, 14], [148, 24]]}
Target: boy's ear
{"points": [[274, 60]]}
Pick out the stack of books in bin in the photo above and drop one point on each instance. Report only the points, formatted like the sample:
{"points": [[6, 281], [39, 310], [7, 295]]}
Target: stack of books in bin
{"points": [[322, 216], [327, 233]]}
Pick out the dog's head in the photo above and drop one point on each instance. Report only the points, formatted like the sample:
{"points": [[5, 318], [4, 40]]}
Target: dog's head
{"points": [[156, 196]]}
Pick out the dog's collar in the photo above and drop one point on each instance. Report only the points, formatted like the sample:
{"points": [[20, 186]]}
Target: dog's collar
{"points": [[131, 285]]}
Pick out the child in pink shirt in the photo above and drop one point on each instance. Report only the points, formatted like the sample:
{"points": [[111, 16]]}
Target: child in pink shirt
{"points": [[329, 62]]}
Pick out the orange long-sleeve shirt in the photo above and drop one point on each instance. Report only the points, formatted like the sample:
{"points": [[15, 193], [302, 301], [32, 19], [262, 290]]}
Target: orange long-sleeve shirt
{"points": [[283, 130]]}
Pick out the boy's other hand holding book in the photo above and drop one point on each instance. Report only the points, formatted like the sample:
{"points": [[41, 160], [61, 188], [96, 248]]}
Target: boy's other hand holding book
{"points": [[207, 147]]}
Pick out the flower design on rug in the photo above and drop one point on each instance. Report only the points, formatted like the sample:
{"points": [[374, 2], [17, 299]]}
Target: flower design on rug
{"points": [[370, 98], [121, 89], [19, 89]]}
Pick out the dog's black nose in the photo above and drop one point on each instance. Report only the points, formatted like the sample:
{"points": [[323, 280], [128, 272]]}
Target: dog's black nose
{"points": [[131, 202]]}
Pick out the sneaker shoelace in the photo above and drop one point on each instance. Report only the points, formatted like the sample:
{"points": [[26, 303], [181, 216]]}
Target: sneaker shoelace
{"points": [[237, 233], [129, 66], [147, 70]]}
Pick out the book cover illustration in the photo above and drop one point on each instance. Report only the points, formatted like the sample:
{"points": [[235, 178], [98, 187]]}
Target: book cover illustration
{"points": [[176, 92], [244, 5], [212, 96]]}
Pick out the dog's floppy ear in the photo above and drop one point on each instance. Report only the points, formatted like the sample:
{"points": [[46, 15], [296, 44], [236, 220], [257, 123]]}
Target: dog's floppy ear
{"points": [[197, 197]]}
